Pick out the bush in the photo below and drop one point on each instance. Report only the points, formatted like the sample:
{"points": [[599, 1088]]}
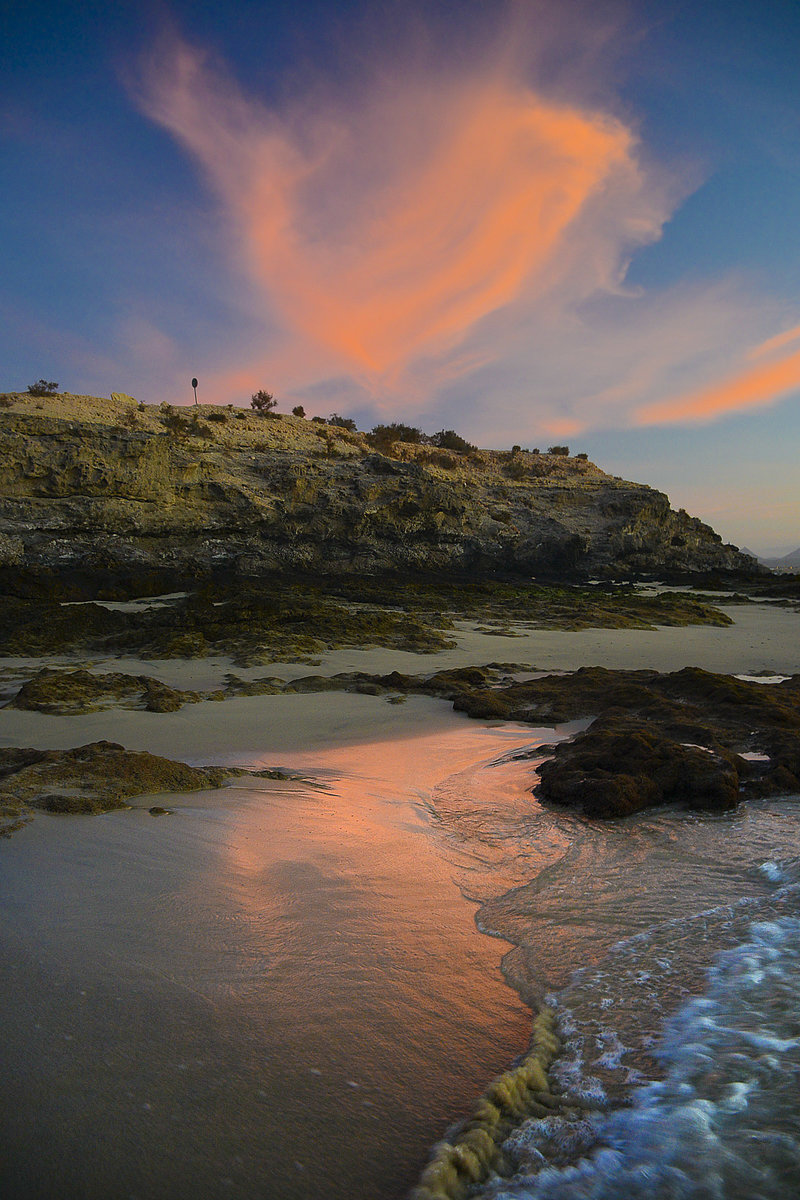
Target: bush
{"points": [[563, 451], [42, 387], [319, 420], [583, 457], [217, 414], [448, 439], [263, 402], [536, 450], [298, 411], [384, 436], [199, 429], [342, 422]]}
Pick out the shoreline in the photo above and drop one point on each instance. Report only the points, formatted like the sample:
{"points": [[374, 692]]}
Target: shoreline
{"points": [[290, 731]]}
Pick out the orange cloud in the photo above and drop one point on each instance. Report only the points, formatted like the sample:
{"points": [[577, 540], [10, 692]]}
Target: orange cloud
{"points": [[775, 343], [752, 387], [383, 230]]}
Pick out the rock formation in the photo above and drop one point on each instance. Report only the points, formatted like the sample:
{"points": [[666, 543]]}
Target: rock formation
{"points": [[96, 484]]}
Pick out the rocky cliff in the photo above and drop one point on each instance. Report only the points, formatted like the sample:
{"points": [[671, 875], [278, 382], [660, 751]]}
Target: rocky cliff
{"points": [[94, 484]]}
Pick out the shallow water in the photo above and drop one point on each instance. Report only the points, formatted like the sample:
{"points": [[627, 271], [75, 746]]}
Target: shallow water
{"points": [[281, 991], [274, 992], [682, 1029]]}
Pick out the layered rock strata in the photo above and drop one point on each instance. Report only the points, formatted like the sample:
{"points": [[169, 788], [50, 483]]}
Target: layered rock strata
{"points": [[96, 484]]}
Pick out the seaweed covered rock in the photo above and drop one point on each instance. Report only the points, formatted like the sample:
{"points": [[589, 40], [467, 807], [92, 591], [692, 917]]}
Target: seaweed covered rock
{"points": [[82, 691], [94, 778], [690, 737], [621, 765]]}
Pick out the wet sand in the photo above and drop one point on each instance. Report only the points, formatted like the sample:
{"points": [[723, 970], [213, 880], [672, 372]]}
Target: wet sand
{"points": [[275, 991]]}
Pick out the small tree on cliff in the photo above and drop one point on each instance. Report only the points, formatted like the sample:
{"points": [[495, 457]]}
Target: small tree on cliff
{"points": [[263, 402], [42, 387]]}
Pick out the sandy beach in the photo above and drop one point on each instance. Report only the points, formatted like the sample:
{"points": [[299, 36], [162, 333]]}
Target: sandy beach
{"points": [[190, 994]]}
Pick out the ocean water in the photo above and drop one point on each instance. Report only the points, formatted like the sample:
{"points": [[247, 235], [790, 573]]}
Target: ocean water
{"points": [[290, 993], [681, 1030]]}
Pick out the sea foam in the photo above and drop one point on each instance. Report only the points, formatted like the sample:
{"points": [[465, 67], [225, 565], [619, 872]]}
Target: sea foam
{"points": [[723, 1123]]}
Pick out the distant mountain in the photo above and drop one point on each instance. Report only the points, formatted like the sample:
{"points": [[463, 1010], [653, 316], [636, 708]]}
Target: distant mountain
{"points": [[787, 562]]}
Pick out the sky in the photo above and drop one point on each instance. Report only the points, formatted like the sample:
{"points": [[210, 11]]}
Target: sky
{"points": [[532, 222]]}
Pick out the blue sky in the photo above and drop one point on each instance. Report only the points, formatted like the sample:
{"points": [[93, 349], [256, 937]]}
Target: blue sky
{"points": [[532, 222]]}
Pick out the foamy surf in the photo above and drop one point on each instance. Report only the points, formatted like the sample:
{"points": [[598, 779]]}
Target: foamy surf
{"points": [[722, 1123]]}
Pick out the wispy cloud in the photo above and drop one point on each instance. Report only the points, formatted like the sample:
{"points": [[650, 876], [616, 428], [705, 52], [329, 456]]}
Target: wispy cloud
{"points": [[384, 228], [746, 388], [432, 236]]}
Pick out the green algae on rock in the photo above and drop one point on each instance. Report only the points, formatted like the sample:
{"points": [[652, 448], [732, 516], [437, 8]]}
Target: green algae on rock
{"points": [[253, 623], [258, 622], [98, 777], [81, 691]]}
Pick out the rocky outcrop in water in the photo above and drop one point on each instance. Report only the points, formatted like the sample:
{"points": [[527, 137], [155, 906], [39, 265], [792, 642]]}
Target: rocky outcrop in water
{"points": [[95, 484]]}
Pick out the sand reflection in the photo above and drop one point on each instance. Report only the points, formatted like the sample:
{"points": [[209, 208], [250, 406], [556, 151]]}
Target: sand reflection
{"points": [[281, 987]]}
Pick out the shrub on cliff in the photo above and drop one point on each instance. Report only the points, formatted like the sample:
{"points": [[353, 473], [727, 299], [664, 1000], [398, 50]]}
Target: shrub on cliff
{"points": [[42, 387], [563, 451], [177, 425], [439, 458], [516, 469], [263, 402], [383, 437], [448, 439], [343, 422]]}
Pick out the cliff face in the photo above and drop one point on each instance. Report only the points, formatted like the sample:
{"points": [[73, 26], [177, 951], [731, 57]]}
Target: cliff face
{"points": [[97, 484]]}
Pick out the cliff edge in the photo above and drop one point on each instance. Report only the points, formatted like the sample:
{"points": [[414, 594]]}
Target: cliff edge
{"points": [[94, 484]]}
